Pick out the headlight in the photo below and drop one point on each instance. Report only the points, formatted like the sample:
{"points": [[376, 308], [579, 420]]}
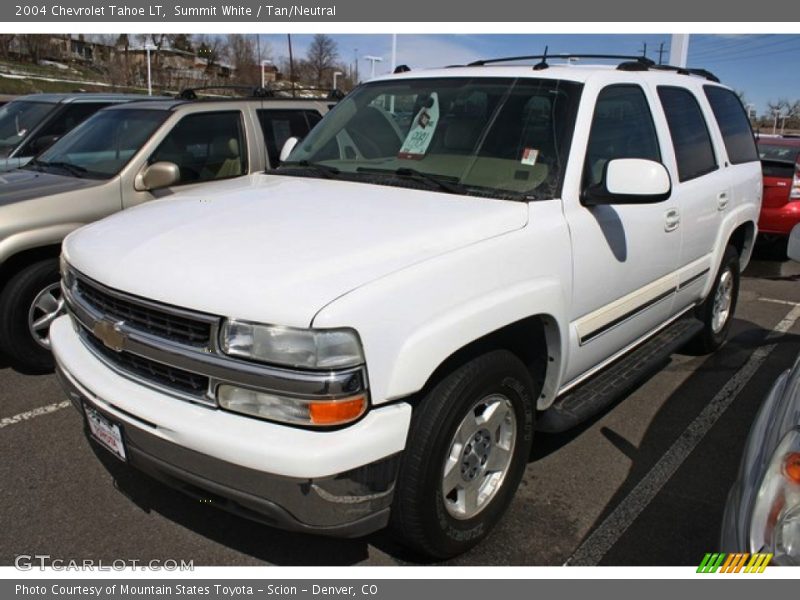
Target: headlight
{"points": [[299, 411], [67, 274], [287, 346], [775, 522]]}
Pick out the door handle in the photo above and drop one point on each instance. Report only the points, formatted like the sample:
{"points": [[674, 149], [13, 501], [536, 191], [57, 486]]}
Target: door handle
{"points": [[722, 200], [672, 219]]}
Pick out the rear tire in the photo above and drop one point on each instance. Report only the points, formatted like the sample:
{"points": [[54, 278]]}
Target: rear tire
{"points": [[29, 302], [467, 450], [716, 311]]}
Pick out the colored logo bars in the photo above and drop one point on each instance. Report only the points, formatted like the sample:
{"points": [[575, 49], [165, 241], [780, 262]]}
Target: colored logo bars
{"points": [[734, 563]]}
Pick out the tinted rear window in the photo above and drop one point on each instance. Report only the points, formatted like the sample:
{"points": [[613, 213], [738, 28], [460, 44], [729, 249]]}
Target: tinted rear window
{"points": [[733, 123], [790, 154]]}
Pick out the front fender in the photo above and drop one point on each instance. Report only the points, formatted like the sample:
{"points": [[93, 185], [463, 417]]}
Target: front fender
{"points": [[411, 321], [35, 238]]}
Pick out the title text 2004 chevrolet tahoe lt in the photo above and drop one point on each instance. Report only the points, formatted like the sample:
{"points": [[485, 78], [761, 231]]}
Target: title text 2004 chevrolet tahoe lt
{"points": [[451, 260]]}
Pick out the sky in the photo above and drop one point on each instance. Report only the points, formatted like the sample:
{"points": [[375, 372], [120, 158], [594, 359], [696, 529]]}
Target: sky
{"points": [[762, 66]]}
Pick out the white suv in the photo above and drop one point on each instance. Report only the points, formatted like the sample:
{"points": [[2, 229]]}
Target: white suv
{"points": [[451, 260]]}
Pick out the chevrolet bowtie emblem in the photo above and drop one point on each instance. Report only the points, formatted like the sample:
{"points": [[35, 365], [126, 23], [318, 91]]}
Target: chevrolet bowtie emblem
{"points": [[110, 334]]}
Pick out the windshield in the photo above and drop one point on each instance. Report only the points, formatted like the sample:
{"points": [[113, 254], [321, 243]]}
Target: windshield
{"points": [[103, 144], [17, 118], [497, 137]]}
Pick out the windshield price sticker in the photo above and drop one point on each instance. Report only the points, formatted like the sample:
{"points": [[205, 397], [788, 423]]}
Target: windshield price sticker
{"points": [[529, 156], [424, 126]]}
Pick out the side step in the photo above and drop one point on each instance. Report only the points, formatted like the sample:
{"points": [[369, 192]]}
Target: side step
{"points": [[600, 391]]}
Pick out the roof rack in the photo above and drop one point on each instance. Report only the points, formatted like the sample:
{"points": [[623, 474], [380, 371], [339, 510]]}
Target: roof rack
{"points": [[257, 91], [564, 56], [688, 71], [191, 93]]}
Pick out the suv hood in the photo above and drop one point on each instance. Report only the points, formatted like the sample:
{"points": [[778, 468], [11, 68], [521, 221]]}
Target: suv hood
{"points": [[25, 184], [277, 249]]}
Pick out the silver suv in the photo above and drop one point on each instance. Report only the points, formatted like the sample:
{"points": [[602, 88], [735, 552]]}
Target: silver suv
{"points": [[120, 157]]}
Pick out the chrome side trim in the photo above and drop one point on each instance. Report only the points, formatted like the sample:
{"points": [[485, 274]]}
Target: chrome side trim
{"points": [[220, 368], [600, 366]]}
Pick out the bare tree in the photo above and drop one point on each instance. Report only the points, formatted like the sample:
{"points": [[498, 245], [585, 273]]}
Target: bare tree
{"points": [[35, 45], [6, 40], [209, 47], [321, 57], [242, 54]]}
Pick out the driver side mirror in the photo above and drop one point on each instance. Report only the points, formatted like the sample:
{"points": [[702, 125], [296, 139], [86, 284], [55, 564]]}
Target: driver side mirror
{"points": [[793, 248], [288, 146], [42, 143], [630, 181], [159, 175]]}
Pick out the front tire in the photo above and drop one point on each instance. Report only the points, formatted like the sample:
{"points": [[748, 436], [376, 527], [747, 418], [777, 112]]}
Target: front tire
{"points": [[29, 303], [467, 450], [716, 312]]}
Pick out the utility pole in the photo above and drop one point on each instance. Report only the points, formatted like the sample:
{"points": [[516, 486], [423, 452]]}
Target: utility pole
{"points": [[355, 53], [679, 50], [661, 53], [291, 62], [644, 49], [394, 52]]}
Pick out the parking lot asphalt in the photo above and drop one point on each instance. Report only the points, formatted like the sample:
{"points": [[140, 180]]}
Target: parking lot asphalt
{"points": [[643, 484]]}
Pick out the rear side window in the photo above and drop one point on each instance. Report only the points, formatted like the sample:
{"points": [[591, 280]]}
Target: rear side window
{"points": [[622, 127], [279, 125], [689, 132], [733, 123]]}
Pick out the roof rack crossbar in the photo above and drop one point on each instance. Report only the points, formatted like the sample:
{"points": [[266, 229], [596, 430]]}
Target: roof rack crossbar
{"points": [[563, 56]]}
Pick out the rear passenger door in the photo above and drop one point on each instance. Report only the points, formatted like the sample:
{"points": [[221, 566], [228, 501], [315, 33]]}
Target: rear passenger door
{"points": [[278, 125], [701, 188]]}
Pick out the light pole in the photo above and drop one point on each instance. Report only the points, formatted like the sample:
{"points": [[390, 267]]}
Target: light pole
{"points": [[394, 52], [775, 113], [335, 78], [264, 63], [148, 48], [751, 109], [373, 60]]}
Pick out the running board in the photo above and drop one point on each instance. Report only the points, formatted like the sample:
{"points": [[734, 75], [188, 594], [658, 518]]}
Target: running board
{"points": [[602, 389]]}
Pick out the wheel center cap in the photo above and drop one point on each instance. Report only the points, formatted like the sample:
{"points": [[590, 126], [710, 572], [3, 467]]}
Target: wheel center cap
{"points": [[475, 454]]}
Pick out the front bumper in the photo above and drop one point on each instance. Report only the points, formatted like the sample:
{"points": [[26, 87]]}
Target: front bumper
{"points": [[336, 483]]}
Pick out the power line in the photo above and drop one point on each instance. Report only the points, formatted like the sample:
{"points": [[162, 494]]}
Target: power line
{"points": [[744, 51]]}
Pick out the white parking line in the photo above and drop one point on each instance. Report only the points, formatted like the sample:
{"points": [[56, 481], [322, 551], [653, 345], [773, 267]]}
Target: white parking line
{"points": [[36, 412], [775, 301], [603, 538]]}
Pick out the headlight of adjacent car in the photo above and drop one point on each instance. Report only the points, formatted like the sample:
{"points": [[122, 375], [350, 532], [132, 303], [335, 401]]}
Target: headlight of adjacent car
{"points": [[67, 274], [775, 521], [291, 347]]}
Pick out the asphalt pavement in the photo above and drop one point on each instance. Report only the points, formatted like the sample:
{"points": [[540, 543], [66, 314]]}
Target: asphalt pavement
{"points": [[643, 484]]}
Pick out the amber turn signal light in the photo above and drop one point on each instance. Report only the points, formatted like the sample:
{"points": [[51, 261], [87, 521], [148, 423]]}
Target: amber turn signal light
{"points": [[336, 412]]}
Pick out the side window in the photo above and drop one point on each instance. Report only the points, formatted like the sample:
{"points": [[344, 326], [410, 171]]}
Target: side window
{"points": [[733, 123], [694, 151], [206, 146], [65, 121], [622, 127], [279, 125]]}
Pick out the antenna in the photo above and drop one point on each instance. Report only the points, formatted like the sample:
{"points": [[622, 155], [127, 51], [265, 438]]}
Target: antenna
{"points": [[543, 64]]}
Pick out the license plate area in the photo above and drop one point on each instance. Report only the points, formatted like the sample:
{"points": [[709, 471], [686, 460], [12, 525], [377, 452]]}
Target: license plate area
{"points": [[105, 432]]}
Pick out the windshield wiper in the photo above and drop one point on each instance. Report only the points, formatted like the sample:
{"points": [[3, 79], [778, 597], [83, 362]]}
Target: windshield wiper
{"points": [[444, 183], [75, 170], [326, 170]]}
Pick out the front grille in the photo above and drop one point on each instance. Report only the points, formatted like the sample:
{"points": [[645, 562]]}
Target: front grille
{"points": [[144, 318], [155, 372]]}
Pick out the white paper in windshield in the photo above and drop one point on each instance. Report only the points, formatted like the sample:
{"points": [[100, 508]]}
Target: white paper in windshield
{"points": [[422, 129]]}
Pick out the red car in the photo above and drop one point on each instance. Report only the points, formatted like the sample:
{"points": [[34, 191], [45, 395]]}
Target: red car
{"points": [[780, 208]]}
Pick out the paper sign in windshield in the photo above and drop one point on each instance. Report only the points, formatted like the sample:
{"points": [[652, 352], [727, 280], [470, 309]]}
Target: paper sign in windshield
{"points": [[529, 156], [422, 129]]}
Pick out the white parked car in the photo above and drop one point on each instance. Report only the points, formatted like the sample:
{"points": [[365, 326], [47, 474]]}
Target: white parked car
{"points": [[452, 259]]}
